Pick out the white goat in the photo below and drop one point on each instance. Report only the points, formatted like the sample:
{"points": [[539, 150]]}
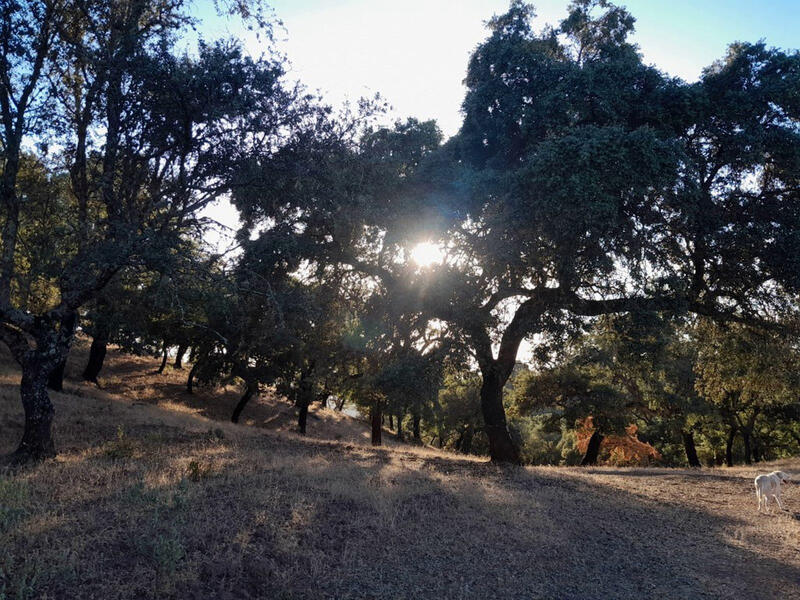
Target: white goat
{"points": [[770, 486]]}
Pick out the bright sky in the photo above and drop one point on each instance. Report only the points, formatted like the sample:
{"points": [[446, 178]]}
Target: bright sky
{"points": [[415, 52]]}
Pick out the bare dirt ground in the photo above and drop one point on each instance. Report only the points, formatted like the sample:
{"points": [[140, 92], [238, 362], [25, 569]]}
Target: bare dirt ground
{"points": [[157, 496]]}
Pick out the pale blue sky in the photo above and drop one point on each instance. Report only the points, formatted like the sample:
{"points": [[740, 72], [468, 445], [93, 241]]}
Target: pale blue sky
{"points": [[415, 52]]}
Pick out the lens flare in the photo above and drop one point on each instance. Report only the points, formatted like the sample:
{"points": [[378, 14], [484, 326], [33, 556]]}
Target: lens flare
{"points": [[426, 254]]}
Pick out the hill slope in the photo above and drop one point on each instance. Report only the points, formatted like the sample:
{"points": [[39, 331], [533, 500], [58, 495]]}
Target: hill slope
{"points": [[155, 497]]}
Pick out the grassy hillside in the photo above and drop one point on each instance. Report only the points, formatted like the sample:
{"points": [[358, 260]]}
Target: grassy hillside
{"points": [[155, 494]]}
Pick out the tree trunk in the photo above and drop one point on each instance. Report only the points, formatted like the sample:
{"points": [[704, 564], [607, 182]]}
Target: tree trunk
{"points": [[302, 418], [729, 447], [376, 420], [501, 447], [691, 451], [415, 428], [593, 449], [37, 439], [747, 452], [305, 397], [400, 428], [391, 422], [182, 348], [164, 356], [97, 354], [757, 453], [251, 388], [190, 379], [56, 380]]}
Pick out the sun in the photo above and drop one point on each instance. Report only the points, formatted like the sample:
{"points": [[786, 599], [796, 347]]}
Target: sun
{"points": [[426, 254]]}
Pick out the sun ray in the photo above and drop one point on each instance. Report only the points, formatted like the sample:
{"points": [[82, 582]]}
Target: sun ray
{"points": [[426, 254]]}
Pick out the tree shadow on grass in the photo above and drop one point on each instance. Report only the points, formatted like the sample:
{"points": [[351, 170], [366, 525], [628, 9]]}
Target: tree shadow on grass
{"points": [[299, 518], [544, 536], [691, 474]]}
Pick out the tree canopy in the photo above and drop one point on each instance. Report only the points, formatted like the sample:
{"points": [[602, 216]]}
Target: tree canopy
{"points": [[640, 232]]}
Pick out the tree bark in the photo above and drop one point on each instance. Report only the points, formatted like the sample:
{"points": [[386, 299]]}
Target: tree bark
{"points": [[729, 447], [593, 449], [37, 439], [391, 422], [56, 380], [302, 418], [251, 387], [67, 329], [190, 379], [747, 452], [305, 397], [691, 450], [182, 348], [164, 356], [399, 434], [97, 355], [376, 420], [415, 428], [501, 447]]}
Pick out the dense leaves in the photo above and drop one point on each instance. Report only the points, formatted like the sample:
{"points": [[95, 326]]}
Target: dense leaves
{"points": [[638, 231]]}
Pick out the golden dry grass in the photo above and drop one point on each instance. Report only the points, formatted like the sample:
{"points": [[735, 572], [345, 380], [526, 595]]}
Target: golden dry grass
{"points": [[153, 496]]}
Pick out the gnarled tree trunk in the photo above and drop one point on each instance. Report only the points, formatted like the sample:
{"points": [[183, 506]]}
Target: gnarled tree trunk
{"points": [[164, 357], [182, 348], [251, 387], [501, 447], [190, 379], [415, 427], [56, 379], [37, 439]]}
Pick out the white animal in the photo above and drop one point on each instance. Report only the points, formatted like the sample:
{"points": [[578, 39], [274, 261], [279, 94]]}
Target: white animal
{"points": [[770, 486]]}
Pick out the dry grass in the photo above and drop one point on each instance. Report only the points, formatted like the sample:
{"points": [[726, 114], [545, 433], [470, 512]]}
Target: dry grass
{"points": [[153, 497]]}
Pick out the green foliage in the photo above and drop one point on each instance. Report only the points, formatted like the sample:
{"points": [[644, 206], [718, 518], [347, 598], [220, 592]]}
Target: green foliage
{"points": [[589, 203], [456, 420], [545, 441]]}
